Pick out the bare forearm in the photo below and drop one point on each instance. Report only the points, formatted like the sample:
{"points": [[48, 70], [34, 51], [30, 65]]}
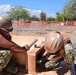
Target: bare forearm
{"points": [[55, 58], [61, 54], [16, 48], [45, 53]]}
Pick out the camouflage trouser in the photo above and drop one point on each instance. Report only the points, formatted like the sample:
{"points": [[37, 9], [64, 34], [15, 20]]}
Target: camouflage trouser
{"points": [[68, 57], [5, 56], [51, 64]]}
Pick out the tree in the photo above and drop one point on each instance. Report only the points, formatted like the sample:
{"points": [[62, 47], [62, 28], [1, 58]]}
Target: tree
{"points": [[34, 18], [50, 19], [43, 16], [18, 12], [60, 16], [63, 16], [70, 9]]}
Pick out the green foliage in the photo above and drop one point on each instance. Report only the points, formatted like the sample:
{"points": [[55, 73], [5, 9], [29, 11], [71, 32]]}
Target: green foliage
{"points": [[60, 16], [43, 16], [64, 17], [34, 18], [50, 19], [69, 13], [70, 10], [18, 12]]}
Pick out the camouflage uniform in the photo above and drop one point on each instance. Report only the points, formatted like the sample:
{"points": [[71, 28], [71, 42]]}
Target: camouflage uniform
{"points": [[7, 46], [51, 64], [5, 56], [68, 57], [53, 45], [47, 64]]}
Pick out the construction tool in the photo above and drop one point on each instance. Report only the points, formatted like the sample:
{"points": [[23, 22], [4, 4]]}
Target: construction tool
{"points": [[33, 42]]}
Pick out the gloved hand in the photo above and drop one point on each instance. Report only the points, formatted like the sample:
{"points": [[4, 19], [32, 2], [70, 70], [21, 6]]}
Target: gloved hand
{"points": [[43, 60]]}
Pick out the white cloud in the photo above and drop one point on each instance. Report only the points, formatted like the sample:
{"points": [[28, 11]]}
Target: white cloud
{"points": [[5, 8], [51, 15], [37, 13], [34, 12]]}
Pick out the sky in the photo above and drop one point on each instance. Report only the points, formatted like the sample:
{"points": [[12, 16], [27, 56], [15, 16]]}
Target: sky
{"points": [[35, 7]]}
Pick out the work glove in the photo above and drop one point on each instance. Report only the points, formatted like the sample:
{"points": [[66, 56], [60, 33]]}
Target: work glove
{"points": [[43, 60]]}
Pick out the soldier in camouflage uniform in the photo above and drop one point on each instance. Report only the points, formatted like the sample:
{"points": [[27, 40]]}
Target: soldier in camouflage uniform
{"points": [[54, 51], [68, 49], [7, 46], [57, 47]]}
